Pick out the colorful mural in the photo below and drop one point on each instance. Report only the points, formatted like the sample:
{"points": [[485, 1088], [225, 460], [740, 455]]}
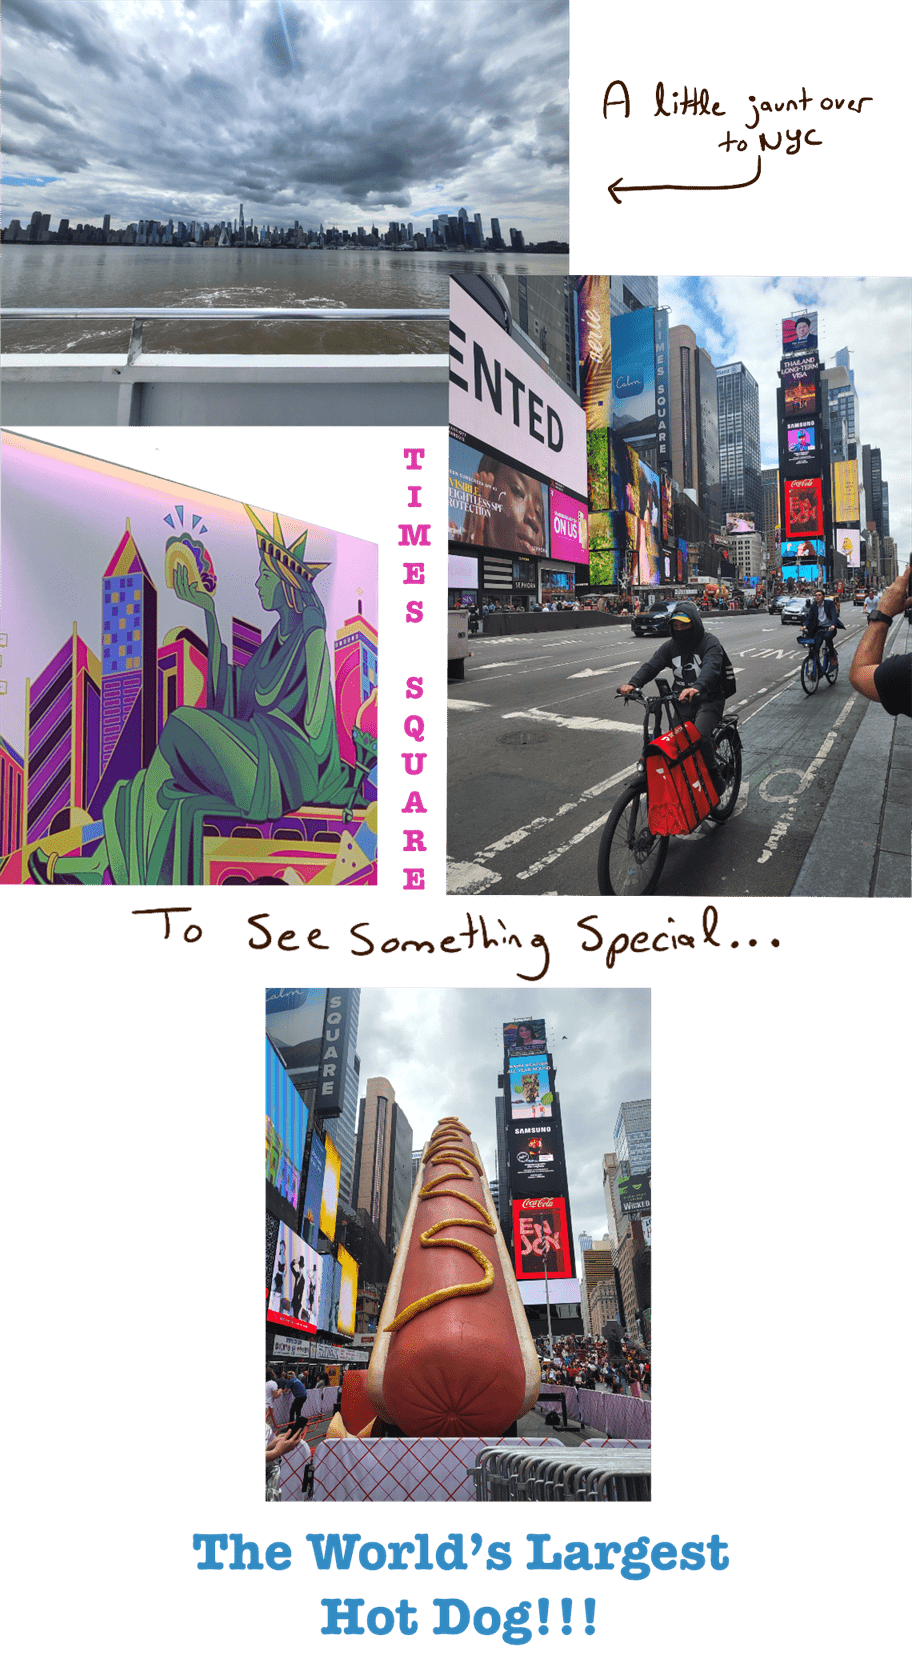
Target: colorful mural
{"points": [[162, 745]]}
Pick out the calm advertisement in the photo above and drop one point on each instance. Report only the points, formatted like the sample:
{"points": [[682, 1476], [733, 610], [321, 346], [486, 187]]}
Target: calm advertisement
{"points": [[540, 1238], [569, 529], [593, 303], [492, 505], [295, 1295], [633, 404], [804, 507]]}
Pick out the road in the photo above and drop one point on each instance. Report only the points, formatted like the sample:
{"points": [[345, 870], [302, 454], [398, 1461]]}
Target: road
{"points": [[538, 750]]}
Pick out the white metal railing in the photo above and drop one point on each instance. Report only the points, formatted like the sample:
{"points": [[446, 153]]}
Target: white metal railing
{"points": [[241, 314]]}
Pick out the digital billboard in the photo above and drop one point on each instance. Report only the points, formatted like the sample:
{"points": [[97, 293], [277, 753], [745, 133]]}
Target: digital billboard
{"points": [[682, 560], [846, 506], [294, 1297], [607, 547], [348, 1293], [799, 334], [739, 522], [569, 528], [521, 1036], [667, 511], [623, 484], [492, 505], [635, 1192], [286, 1131], [557, 586], [313, 1190], [803, 507], [800, 438], [462, 571], [633, 378], [329, 1200], [848, 544], [530, 1088], [802, 558], [295, 1026], [505, 402], [540, 1237], [593, 306], [799, 386], [662, 389], [536, 1158], [325, 1311]]}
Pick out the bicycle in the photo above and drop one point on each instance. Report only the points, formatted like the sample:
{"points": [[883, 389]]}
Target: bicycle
{"points": [[821, 663], [631, 857]]}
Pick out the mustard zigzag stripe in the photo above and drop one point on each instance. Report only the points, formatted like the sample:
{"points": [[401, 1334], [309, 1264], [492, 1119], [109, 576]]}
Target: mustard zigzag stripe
{"points": [[446, 1155]]}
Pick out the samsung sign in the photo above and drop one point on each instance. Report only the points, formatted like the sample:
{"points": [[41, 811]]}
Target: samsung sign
{"points": [[336, 1037], [505, 400]]}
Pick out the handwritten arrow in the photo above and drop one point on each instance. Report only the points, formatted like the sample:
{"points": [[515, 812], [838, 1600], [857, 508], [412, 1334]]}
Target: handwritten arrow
{"points": [[613, 189]]}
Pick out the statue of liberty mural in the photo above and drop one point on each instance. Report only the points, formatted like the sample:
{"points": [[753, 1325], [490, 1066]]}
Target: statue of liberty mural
{"points": [[265, 745]]}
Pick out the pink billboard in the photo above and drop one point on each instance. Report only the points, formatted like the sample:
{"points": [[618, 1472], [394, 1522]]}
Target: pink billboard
{"points": [[569, 528]]}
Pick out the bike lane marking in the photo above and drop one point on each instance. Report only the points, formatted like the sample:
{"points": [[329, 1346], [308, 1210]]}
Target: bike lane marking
{"points": [[473, 876], [805, 778]]}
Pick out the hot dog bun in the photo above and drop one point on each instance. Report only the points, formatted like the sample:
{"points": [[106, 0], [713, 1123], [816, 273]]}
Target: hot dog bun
{"points": [[452, 1363]]}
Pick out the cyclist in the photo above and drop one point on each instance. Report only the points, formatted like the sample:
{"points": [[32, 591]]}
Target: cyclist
{"points": [[822, 622], [699, 662]]}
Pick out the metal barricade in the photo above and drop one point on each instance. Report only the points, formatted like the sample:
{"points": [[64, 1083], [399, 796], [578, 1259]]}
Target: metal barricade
{"points": [[563, 1475]]}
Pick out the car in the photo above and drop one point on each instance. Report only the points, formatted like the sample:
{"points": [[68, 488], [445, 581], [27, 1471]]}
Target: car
{"points": [[794, 610], [858, 599], [657, 621]]}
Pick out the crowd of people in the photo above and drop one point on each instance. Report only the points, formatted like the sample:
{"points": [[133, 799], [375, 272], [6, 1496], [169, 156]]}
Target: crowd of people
{"points": [[597, 1365]]}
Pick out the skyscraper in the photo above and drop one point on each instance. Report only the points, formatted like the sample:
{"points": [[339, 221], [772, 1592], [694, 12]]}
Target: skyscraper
{"points": [[694, 420], [383, 1162], [628, 294], [739, 440], [633, 1136]]}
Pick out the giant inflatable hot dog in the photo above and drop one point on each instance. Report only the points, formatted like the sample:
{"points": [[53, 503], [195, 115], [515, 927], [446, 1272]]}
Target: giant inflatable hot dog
{"points": [[453, 1354]]}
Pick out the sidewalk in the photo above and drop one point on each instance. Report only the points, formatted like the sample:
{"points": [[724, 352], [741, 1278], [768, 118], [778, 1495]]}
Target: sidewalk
{"points": [[864, 840]]}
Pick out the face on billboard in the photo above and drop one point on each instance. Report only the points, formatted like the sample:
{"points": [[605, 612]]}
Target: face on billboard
{"points": [[294, 1298], [801, 440], [540, 1238], [495, 506], [803, 507], [518, 1036], [799, 334], [530, 1089], [329, 1200]]}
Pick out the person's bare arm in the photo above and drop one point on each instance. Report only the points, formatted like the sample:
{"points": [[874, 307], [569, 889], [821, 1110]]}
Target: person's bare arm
{"points": [[869, 651]]}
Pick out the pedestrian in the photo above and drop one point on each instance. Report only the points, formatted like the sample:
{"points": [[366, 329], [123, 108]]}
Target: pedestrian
{"points": [[887, 682]]}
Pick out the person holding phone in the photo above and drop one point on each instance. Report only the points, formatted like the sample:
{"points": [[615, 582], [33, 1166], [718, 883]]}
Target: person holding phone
{"points": [[887, 682]]}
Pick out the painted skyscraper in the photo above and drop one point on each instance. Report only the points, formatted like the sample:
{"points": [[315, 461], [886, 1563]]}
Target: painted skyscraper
{"points": [[129, 670], [61, 738]]}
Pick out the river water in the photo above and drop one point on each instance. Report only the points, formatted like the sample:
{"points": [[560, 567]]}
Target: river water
{"points": [[47, 275]]}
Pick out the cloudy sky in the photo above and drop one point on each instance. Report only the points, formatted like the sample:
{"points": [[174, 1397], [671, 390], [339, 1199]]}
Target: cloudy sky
{"points": [[442, 1050], [332, 111], [740, 318]]}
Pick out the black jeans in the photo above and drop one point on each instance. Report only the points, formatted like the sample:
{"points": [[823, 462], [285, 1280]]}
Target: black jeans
{"points": [[707, 719]]}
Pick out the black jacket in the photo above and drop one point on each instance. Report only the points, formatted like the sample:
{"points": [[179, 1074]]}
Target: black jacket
{"points": [[701, 668], [813, 621]]}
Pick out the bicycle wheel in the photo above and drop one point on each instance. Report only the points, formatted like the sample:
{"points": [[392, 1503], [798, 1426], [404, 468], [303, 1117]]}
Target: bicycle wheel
{"points": [[728, 758], [831, 668], [810, 674], [630, 858]]}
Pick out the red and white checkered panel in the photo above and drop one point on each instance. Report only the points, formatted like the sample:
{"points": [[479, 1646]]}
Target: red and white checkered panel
{"points": [[401, 1469], [616, 1443], [616, 1416]]}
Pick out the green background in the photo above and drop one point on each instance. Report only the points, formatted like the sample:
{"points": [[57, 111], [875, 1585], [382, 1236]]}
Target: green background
{"points": [[132, 1076]]}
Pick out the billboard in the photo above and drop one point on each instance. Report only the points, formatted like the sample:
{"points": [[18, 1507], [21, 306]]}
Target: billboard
{"points": [[848, 544], [801, 441], [557, 586], [348, 1293], [462, 571], [530, 1088], [682, 560], [635, 1192], [313, 1189], [521, 1036], [799, 386], [329, 1199], [508, 403], [739, 522], [540, 1237], [536, 1158], [607, 547], [662, 390], [803, 507], [325, 1310], [799, 334], [337, 1026], [294, 1023], [633, 374], [569, 528], [803, 558], [286, 1132], [667, 511], [294, 1297], [493, 505], [846, 507], [593, 307]]}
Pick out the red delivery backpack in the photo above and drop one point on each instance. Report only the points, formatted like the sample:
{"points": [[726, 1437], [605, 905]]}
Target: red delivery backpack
{"points": [[680, 792]]}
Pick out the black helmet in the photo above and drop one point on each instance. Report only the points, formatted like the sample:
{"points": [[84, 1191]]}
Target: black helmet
{"points": [[687, 639]]}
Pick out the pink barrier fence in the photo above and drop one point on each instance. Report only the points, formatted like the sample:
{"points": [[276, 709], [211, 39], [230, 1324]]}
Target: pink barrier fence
{"points": [[616, 1417]]}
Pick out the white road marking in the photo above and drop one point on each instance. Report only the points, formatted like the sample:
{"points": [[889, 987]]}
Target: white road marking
{"points": [[466, 704], [582, 724], [522, 832], [804, 780], [547, 860], [606, 672], [465, 879], [844, 712]]}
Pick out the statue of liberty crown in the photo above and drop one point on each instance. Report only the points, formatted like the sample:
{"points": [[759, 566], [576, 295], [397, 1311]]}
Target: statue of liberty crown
{"points": [[282, 554]]}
